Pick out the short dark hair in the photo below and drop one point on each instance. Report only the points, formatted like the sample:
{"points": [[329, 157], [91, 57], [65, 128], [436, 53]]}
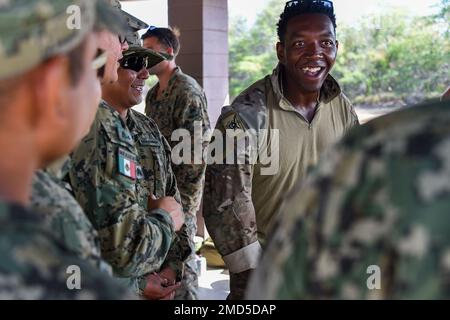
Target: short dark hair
{"points": [[307, 7], [168, 37]]}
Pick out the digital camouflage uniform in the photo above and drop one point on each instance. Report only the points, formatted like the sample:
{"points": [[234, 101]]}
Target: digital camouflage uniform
{"points": [[64, 215], [112, 177], [379, 198], [240, 202], [34, 262], [181, 104], [33, 265]]}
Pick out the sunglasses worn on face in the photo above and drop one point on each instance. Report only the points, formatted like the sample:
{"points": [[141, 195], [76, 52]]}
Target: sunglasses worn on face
{"points": [[134, 63], [297, 3]]}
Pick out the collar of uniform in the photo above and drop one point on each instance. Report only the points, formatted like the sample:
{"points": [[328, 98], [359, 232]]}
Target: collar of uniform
{"points": [[118, 125], [330, 89], [132, 123], [105, 105], [173, 78], [60, 168]]}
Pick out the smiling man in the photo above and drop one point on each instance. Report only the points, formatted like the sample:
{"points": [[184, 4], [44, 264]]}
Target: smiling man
{"points": [[123, 179], [307, 108]]}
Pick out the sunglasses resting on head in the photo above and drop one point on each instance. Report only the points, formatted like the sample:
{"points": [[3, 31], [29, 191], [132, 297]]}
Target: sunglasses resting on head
{"points": [[298, 3]]}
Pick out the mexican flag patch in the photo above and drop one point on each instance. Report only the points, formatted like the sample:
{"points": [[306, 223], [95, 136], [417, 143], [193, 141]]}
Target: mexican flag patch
{"points": [[127, 164]]}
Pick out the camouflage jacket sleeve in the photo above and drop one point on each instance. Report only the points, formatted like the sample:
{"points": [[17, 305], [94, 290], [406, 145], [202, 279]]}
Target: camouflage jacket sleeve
{"points": [[35, 266], [182, 245], [135, 242], [370, 218], [228, 209], [66, 219]]}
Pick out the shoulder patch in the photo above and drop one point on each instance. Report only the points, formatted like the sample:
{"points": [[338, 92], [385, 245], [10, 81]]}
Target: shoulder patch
{"points": [[232, 122]]}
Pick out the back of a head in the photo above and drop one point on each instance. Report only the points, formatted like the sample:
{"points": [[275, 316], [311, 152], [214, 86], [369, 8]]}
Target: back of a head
{"points": [[301, 7]]}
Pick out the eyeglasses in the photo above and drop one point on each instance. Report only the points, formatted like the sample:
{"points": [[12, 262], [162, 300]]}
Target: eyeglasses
{"points": [[297, 3], [135, 63]]}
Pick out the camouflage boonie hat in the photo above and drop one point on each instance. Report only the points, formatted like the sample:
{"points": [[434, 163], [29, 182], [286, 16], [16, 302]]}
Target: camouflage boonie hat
{"points": [[133, 38], [135, 48], [108, 17], [34, 30]]}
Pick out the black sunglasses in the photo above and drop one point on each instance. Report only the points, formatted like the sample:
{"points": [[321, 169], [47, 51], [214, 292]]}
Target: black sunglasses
{"points": [[135, 63], [297, 3]]}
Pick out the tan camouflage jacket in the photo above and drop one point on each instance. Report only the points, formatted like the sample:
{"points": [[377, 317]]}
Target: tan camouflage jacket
{"points": [[180, 106], [115, 168], [236, 222]]}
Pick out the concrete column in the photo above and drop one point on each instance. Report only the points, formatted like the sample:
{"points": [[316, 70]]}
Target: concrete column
{"points": [[204, 46]]}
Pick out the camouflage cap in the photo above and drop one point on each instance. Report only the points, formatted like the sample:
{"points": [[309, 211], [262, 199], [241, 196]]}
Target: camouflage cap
{"points": [[109, 18], [34, 30]]}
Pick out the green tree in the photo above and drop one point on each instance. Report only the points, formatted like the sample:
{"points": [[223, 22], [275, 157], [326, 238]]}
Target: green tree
{"points": [[385, 58]]}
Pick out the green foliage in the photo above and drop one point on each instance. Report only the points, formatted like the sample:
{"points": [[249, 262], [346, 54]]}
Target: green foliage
{"points": [[392, 55]]}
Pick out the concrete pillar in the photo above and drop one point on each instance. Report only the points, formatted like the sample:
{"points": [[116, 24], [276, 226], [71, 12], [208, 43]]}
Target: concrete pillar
{"points": [[204, 46]]}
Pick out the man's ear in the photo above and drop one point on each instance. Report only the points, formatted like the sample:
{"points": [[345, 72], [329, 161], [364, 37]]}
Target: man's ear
{"points": [[49, 81], [280, 52], [48, 87], [170, 51]]}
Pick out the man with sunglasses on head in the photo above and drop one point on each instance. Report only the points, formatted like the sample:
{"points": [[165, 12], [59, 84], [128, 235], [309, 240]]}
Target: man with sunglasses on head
{"points": [[301, 102], [178, 102], [49, 93], [122, 178]]}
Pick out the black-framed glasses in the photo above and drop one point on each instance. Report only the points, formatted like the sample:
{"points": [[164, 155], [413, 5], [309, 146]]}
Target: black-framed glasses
{"points": [[135, 63], [297, 3]]}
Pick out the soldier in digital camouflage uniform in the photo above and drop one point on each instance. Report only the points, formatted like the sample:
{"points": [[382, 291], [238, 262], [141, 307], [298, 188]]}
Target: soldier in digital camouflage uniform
{"points": [[51, 195], [379, 199], [301, 103], [118, 167], [45, 66], [178, 102]]}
